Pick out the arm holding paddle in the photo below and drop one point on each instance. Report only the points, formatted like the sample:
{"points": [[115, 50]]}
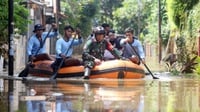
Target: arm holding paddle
{"points": [[36, 42], [131, 42], [64, 50], [128, 52], [35, 46]]}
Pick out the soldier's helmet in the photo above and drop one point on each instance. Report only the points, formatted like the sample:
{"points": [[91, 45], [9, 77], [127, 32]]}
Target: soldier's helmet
{"points": [[99, 30]]}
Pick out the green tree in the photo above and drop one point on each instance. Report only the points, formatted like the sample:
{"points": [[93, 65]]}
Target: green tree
{"points": [[19, 17], [80, 14], [181, 28], [107, 7], [3, 20]]}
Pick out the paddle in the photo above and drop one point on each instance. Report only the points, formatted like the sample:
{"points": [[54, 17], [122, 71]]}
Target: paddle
{"points": [[24, 73], [142, 62], [63, 59]]}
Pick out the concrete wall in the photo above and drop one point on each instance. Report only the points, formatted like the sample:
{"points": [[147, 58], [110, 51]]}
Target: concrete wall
{"points": [[20, 56], [20, 53], [1, 63]]}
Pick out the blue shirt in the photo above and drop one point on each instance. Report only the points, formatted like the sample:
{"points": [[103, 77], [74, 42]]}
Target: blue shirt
{"points": [[34, 44], [128, 50], [65, 47], [36, 106]]}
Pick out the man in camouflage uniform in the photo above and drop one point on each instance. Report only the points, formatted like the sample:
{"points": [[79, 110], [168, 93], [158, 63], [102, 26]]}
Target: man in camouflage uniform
{"points": [[93, 51]]}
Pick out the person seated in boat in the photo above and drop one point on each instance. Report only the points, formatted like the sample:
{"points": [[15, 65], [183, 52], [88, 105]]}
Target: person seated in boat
{"points": [[132, 47], [64, 48], [118, 42], [107, 28], [93, 51], [36, 43], [115, 41]]}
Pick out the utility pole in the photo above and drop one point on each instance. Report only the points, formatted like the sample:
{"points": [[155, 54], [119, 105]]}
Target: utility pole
{"points": [[11, 52], [54, 19], [159, 33], [10, 38]]}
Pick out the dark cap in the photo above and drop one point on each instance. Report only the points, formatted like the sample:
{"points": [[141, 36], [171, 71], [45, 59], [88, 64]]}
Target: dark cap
{"points": [[38, 27]]}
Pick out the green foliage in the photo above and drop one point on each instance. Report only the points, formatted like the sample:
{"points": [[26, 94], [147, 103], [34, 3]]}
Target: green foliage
{"points": [[107, 7], [88, 12], [71, 9], [89, 9], [20, 14], [193, 23], [174, 71], [184, 19], [19, 17], [181, 50], [120, 14], [189, 66], [143, 17], [3, 20], [185, 58], [80, 14], [178, 11], [192, 29], [131, 14], [197, 67]]}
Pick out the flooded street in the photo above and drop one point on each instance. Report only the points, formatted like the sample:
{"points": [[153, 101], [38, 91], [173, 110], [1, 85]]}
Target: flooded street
{"points": [[167, 94]]}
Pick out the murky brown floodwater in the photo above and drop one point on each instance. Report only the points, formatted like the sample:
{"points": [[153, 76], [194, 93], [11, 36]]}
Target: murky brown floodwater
{"points": [[100, 95]]}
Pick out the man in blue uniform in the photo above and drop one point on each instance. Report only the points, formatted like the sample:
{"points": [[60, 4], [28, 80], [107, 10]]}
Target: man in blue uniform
{"points": [[36, 43]]}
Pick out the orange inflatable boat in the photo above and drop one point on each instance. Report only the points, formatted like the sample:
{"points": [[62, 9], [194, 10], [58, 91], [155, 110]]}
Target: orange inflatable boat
{"points": [[116, 69]]}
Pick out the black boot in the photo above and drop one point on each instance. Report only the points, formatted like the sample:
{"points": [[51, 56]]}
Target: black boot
{"points": [[87, 73]]}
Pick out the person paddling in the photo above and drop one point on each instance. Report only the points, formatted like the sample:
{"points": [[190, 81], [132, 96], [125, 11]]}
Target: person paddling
{"points": [[36, 46], [64, 48], [129, 43], [36, 43]]}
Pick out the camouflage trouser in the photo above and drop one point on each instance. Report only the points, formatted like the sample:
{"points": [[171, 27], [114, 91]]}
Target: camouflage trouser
{"points": [[89, 64]]}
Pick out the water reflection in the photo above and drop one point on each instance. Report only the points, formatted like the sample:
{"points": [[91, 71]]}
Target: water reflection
{"points": [[181, 95], [87, 96], [76, 95]]}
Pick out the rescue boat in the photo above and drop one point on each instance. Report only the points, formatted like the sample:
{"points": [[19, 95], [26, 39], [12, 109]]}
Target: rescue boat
{"points": [[115, 69]]}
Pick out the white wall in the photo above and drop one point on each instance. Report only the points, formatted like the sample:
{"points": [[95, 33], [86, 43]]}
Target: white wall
{"points": [[1, 63], [20, 53]]}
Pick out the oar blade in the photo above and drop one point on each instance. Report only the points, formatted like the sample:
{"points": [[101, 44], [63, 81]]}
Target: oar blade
{"points": [[155, 77], [142, 62], [23, 73], [53, 77]]}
